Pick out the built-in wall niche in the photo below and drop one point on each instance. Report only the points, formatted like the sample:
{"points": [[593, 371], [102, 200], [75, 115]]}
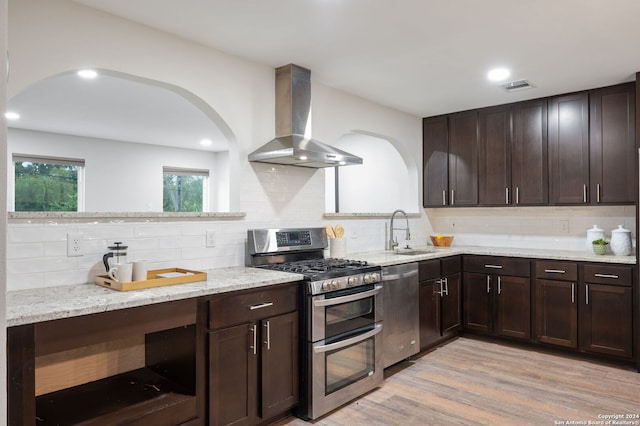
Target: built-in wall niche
{"points": [[127, 129], [386, 181]]}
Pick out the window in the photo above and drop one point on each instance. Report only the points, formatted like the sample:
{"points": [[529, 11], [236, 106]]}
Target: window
{"points": [[44, 184], [185, 190]]}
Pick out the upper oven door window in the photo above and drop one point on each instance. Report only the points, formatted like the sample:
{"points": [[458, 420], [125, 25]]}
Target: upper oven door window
{"points": [[344, 311]]}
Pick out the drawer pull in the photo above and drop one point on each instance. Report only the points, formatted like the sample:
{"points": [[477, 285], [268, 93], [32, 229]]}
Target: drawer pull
{"points": [[573, 293], [254, 331], [493, 266], [615, 277], [488, 283], [261, 305], [555, 271], [586, 294], [267, 327], [499, 286]]}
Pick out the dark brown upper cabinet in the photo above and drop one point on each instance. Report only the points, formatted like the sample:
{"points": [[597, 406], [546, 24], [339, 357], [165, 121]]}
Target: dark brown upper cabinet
{"points": [[612, 144], [494, 186], [463, 159], [569, 148], [435, 136], [450, 160], [529, 154]]}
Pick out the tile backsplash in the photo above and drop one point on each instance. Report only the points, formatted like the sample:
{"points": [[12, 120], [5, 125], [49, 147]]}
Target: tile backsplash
{"points": [[37, 251]]}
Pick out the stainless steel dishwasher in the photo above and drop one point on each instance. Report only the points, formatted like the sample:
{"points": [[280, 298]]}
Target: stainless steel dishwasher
{"points": [[401, 329]]}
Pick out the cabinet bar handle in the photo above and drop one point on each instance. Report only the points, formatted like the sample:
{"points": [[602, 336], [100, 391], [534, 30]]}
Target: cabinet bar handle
{"points": [[499, 286], [493, 266], [555, 271], [254, 330], [261, 305], [438, 291], [488, 283], [444, 197], [586, 296], [615, 277], [446, 286], [517, 195], [598, 193], [453, 198], [573, 293], [506, 195], [268, 331], [584, 193]]}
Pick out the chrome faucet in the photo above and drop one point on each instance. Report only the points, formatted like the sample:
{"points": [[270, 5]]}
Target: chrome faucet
{"points": [[393, 242]]}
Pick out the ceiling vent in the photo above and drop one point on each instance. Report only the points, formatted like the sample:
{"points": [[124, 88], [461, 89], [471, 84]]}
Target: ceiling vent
{"points": [[517, 85]]}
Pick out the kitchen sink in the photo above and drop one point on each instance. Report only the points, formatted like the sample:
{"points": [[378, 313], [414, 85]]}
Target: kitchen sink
{"points": [[413, 252]]}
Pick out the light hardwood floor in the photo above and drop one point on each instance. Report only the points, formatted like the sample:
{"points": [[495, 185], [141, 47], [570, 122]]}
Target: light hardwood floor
{"points": [[473, 382]]}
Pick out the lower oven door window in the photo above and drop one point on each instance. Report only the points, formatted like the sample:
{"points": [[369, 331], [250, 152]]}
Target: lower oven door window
{"points": [[342, 312], [349, 365]]}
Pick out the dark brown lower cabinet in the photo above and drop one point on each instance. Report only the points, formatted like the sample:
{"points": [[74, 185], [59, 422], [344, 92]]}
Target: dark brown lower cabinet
{"points": [[253, 356], [606, 326], [497, 304], [606, 310], [253, 372], [557, 313], [440, 300]]}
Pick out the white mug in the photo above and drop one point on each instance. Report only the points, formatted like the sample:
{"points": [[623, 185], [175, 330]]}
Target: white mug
{"points": [[121, 272], [139, 270]]}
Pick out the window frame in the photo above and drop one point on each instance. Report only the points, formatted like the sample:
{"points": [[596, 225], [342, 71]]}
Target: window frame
{"points": [[184, 171]]}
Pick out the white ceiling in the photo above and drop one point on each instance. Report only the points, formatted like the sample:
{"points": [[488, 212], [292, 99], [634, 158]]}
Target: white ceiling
{"points": [[424, 57]]}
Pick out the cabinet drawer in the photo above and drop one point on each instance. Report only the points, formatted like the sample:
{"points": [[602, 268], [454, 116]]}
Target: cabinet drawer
{"points": [[552, 270], [236, 308], [497, 265], [429, 269], [607, 274]]}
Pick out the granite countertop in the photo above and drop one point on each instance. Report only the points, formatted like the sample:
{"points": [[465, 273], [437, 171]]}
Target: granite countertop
{"points": [[44, 304]]}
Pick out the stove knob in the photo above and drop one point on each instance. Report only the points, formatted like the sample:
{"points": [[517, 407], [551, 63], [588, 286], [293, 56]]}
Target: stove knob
{"points": [[326, 286], [376, 277], [352, 281], [335, 285], [368, 279]]}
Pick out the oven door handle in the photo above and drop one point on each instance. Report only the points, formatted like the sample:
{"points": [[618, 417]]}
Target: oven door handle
{"points": [[349, 298], [348, 342]]}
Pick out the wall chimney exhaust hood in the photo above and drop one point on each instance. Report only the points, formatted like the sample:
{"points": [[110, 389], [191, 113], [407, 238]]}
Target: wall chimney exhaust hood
{"points": [[293, 118]]}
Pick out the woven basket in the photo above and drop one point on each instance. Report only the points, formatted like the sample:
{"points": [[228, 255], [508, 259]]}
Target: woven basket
{"points": [[441, 240]]}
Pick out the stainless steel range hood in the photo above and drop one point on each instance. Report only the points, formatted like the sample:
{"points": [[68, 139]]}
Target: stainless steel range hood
{"points": [[293, 118]]}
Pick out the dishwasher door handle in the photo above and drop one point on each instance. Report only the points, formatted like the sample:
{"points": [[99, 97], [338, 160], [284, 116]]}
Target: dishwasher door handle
{"points": [[398, 276]]}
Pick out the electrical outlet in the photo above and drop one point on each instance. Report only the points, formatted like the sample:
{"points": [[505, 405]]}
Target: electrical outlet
{"points": [[211, 238], [74, 245]]}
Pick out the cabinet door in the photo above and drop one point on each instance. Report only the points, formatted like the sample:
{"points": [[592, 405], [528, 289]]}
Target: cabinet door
{"points": [[495, 156], [435, 161], [477, 301], [233, 369], [429, 313], [463, 159], [279, 364], [556, 313], [569, 148], [529, 158], [451, 305], [612, 144], [513, 307], [606, 326]]}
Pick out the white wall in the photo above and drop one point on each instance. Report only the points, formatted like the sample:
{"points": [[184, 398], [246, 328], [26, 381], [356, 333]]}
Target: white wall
{"points": [[119, 176], [3, 215]]}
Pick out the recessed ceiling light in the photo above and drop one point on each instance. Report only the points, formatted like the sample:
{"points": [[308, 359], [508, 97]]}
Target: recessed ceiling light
{"points": [[9, 115], [88, 74], [498, 74], [206, 142]]}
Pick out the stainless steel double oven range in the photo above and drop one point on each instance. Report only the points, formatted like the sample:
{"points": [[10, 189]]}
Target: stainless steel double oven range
{"points": [[341, 316]]}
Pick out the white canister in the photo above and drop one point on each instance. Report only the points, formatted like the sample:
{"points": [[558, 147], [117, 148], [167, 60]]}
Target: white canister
{"points": [[621, 241], [593, 234]]}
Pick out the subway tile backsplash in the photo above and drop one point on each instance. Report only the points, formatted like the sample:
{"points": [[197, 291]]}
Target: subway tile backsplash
{"points": [[37, 252]]}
